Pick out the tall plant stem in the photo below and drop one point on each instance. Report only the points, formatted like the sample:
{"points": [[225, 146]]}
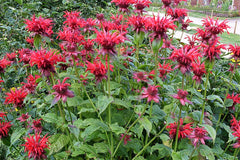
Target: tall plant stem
{"points": [[69, 113], [150, 112], [109, 106], [130, 127], [205, 95], [156, 67], [236, 153], [139, 153], [176, 139], [225, 98], [137, 54]]}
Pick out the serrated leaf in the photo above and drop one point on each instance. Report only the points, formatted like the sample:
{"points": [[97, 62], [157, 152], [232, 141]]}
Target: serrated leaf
{"points": [[207, 152], [101, 147], [103, 102], [211, 131], [147, 125], [58, 141], [117, 129], [37, 41], [17, 134], [53, 118], [215, 97], [122, 103], [176, 155], [163, 151], [75, 101]]}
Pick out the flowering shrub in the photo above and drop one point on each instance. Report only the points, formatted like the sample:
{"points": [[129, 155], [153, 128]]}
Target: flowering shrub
{"points": [[121, 87]]}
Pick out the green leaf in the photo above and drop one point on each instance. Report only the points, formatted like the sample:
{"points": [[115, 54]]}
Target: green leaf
{"points": [[215, 97], [196, 115], [103, 102], [211, 131], [101, 147], [58, 141], [176, 155], [75, 101], [122, 103], [146, 124], [207, 152], [19, 1], [17, 134], [37, 41], [140, 158], [53, 118], [116, 128], [163, 150]]}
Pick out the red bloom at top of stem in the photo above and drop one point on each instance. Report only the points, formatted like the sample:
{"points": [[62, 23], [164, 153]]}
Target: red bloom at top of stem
{"points": [[215, 26], [45, 60], [235, 125], [73, 19], [11, 56], [16, 97], [37, 125], [199, 134], [176, 2], [2, 115], [185, 24], [236, 99], [23, 117], [3, 64], [140, 5], [151, 93], [138, 23], [39, 26], [198, 70], [235, 50], [123, 4], [88, 45], [62, 91], [184, 130], [182, 96], [88, 25], [70, 35], [108, 41], [140, 76], [177, 14], [166, 3], [160, 26], [4, 128], [25, 55], [164, 69], [185, 57], [31, 83], [212, 51], [35, 146], [1, 81]]}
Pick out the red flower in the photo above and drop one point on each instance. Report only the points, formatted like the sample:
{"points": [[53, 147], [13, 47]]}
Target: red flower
{"points": [[88, 45], [62, 91], [30, 40], [151, 93], [123, 4], [212, 51], [138, 23], [166, 3], [236, 51], [236, 99], [39, 26], [214, 26], [35, 146], [98, 69], [2, 115], [140, 5], [164, 69], [11, 56], [37, 125], [100, 17], [160, 26], [88, 25], [177, 14], [108, 41], [16, 97], [184, 130], [3, 64], [140, 76], [4, 129], [176, 2], [199, 134], [185, 24], [182, 96], [45, 60], [73, 19], [31, 84], [1, 81], [23, 117], [235, 125], [25, 55], [185, 57], [126, 138], [199, 71]]}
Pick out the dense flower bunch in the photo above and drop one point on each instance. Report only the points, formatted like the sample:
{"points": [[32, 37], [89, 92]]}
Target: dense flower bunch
{"points": [[184, 130], [182, 97], [199, 134], [16, 97], [35, 146], [31, 84], [151, 93], [3, 64], [4, 126]]}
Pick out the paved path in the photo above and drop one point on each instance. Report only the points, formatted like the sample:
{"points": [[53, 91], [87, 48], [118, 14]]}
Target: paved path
{"points": [[198, 21]]}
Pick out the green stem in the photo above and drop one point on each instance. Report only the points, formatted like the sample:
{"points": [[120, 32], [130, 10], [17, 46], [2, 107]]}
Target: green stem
{"points": [[205, 95], [69, 113], [176, 139], [139, 153], [192, 153], [150, 112], [226, 148], [236, 153], [156, 67]]}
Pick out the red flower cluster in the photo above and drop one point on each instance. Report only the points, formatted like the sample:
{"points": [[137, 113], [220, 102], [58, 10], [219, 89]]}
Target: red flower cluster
{"points": [[4, 126], [177, 14], [214, 26], [235, 98], [108, 41], [236, 51], [198, 70], [37, 125], [16, 97], [164, 69], [151, 93], [73, 19], [62, 91], [138, 23], [140, 76], [31, 84], [140, 5], [160, 26], [184, 130], [126, 138], [23, 117], [123, 4], [185, 57], [3, 64], [45, 60], [39, 26], [199, 134], [182, 96], [98, 69], [35, 146], [24, 55]]}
